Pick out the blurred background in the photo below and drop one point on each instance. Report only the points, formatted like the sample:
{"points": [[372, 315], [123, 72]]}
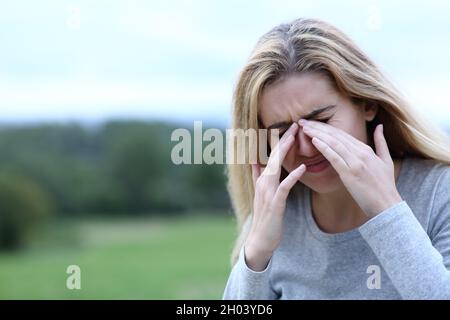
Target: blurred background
{"points": [[90, 92]]}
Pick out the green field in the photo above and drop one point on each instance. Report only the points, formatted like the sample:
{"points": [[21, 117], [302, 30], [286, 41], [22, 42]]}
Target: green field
{"points": [[152, 258]]}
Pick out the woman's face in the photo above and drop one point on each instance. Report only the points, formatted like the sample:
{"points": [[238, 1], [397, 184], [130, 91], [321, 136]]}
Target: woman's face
{"points": [[296, 97]]}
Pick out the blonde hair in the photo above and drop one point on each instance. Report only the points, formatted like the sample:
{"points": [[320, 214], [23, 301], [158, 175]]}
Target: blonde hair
{"points": [[308, 45]]}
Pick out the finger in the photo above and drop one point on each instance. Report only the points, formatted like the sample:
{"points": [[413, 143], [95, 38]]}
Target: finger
{"points": [[381, 146], [279, 152], [287, 184], [339, 147], [262, 168], [354, 145], [332, 156], [277, 156], [289, 132], [256, 172]]}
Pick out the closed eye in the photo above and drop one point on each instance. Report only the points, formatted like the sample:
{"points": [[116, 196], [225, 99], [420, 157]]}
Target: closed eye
{"points": [[320, 120], [323, 120]]}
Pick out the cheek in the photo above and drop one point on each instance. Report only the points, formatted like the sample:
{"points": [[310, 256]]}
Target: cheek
{"points": [[355, 124], [356, 127]]}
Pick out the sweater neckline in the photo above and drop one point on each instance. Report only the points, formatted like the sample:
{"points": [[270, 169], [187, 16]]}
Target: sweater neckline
{"points": [[340, 236]]}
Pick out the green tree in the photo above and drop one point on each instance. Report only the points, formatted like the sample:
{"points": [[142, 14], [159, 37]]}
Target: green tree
{"points": [[23, 205]]}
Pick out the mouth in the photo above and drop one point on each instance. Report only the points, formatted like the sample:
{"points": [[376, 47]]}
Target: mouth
{"points": [[317, 165], [314, 161]]}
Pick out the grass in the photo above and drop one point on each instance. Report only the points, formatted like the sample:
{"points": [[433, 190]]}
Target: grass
{"points": [[154, 258]]}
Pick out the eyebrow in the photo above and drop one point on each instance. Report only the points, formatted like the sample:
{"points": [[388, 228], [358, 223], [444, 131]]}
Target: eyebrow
{"points": [[309, 116]]}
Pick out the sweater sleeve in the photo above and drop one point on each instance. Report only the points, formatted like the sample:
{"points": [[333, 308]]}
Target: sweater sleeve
{"points": [[246, 284], [417, 265]]}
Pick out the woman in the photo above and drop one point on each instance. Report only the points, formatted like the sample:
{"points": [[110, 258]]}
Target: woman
{"points": [[358, 205]]}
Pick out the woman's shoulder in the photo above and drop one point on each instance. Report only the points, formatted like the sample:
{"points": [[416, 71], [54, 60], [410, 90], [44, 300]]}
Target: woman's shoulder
{"points": [[424, 171], [424, 184], [429, 195]]}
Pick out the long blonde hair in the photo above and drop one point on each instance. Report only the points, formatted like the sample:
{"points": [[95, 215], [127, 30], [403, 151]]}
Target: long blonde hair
{"points": [[309, 45]]}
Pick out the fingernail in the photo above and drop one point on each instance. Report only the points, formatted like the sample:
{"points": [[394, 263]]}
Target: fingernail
{"points": [[302, 122], [382, 128]]}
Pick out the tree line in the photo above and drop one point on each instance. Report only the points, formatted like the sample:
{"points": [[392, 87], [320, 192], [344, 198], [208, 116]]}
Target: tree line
{"points": [[119, 167]]}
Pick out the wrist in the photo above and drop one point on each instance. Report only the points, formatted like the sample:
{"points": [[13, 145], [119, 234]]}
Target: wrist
{"points": [[386, 204], [256, 258]]}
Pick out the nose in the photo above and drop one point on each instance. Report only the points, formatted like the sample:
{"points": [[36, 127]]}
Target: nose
{"points": [[305, 148]]}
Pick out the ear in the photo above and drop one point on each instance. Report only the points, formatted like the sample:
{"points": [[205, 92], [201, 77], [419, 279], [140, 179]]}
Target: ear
{"points": [[370, 110]]}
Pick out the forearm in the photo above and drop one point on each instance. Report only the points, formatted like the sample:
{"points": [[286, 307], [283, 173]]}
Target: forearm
{"points": [[406, 253], [246, 284]]}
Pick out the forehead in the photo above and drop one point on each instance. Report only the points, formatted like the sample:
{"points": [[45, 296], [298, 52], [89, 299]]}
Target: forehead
{"points": [[295, 95]]}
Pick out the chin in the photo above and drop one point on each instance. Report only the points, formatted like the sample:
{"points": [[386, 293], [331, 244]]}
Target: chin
{"points": [[322, 183]]}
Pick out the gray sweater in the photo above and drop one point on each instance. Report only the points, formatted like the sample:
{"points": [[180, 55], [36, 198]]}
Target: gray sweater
{"points": [[402, 253]]}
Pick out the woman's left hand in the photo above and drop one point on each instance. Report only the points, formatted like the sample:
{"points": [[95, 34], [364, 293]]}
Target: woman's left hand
{"points": [[368, 176]]}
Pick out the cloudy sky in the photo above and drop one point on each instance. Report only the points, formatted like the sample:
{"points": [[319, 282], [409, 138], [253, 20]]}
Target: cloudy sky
{"points": [[94, 60]]}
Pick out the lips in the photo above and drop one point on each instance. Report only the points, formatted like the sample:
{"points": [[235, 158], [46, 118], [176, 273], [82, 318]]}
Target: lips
{"points": [[314, 161]]}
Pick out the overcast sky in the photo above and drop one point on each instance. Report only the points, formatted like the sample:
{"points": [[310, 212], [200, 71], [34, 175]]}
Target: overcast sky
{"points": [[93, 60]]}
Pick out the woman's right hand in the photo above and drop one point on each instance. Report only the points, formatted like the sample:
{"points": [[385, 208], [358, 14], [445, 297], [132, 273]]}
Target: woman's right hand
{"points": [[269, 203]]}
